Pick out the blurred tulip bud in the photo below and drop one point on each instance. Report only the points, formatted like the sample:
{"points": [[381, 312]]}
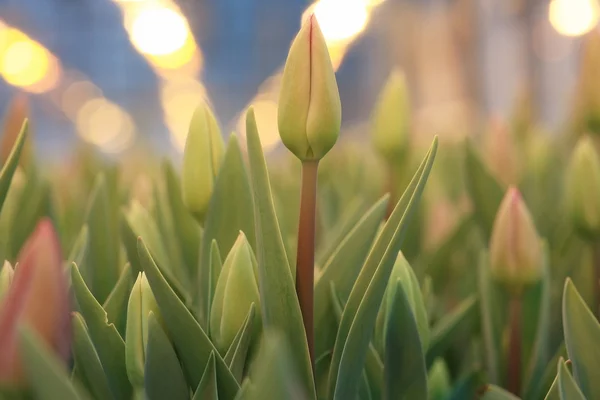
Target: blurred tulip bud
{"points": [[17, 112], [141, 303], [583, 188], [391, 119], [202, 158], [501, 153], [236, 290], [6, 277], [515, 248], [403, 273], [309, 114], [39, 297]]}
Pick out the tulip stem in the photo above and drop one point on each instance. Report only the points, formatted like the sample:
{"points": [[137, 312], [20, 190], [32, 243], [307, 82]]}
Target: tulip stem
{"points": [[392, 189], [305, 261], [514, 344]]}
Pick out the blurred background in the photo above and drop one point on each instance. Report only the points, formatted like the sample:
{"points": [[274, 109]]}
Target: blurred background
{"points": [[125, 74]]}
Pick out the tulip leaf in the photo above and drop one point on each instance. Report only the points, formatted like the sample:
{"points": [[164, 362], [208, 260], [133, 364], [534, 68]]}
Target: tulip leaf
{"points": [[373, 363], [47, 374], [486, 192], [238, 350], [190, 341], [116, 303], [451, 327], [553, 392], [404, 364], [537, 329], [101, 272], [438, 380], [185, 226], [139, 223], [230, 211], [278, 299], [80, 247], [216, 264], [547, 382], [358, 320], [10, 166], [342, 268], [493, 392], [107, 341], [468, 386], [364, 390], [87, 361], [490, 301], [567, 386], [163, 377], [207, 388], [582, 331], [273, 376]]}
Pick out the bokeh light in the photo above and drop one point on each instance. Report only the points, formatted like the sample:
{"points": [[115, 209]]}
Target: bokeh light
{"points": [[25, 63], [573, 17], [341, 19], [105, 125]]}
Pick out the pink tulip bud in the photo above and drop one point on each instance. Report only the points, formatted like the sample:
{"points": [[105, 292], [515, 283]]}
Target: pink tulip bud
{"points": [[515, 247], [38, 296]]}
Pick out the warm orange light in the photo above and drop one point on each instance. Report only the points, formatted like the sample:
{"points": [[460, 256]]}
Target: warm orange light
{"points": [[105, 125], [27, 64], [573, 17]]}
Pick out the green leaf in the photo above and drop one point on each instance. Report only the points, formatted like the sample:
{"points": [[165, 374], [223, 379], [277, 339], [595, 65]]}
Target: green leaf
{"points": [[186, 227], [230, 211], [404, 364], [360, 313], [47, 375], [163, 377], [536, 331], [438, 381], [9, 168], [553, 392], [207, 388], [490, 301], [80, 247], [238, 351], [364, 390], [87, 361], [373, 363], [278, 300], [467, 387], [116, 303], [567, 387], [190, 341], [273, 374], [493, 392], [342, 268], [486, 192], [457, 324], [139, 223], [582, 331], [101, 272], [216, 264], [106, 339]]}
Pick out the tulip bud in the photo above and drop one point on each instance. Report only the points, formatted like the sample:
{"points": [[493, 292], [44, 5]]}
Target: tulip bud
{"points": [[202, 158], [236, 289], [515, 247], [38, 296], [309, 114], [6, 277], [391, 119], [403, 273], [141, 303], [583, 188]]}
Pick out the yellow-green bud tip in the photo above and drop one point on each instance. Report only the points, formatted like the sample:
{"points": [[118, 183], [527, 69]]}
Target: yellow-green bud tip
{"points": [[515, 247], [202, 158], [391, 118], [583, 188], [310, 113]]}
